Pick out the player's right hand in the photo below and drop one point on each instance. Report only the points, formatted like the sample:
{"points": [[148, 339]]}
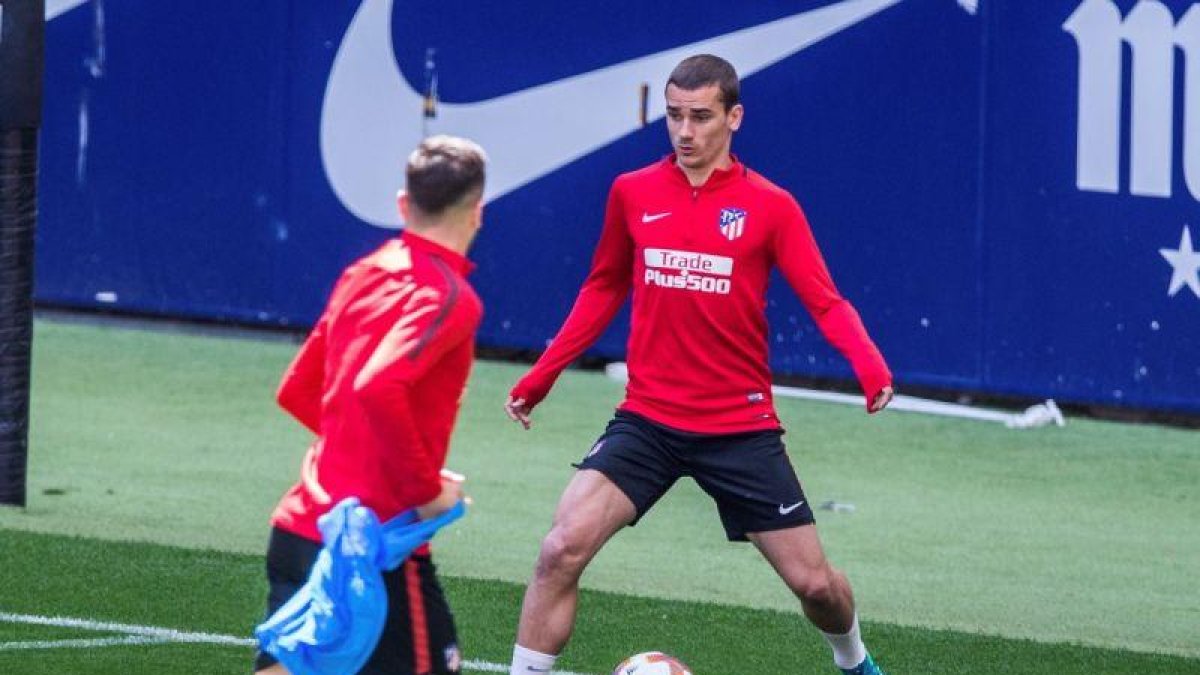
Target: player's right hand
{"points": [[518, 411]]}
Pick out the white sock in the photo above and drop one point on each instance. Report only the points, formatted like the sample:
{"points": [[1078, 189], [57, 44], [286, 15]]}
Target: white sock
{"points": [[848, 649], [526, 661]]}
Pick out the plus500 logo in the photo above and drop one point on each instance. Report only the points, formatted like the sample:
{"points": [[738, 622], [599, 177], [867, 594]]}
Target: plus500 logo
{"points": [[689, 271]]}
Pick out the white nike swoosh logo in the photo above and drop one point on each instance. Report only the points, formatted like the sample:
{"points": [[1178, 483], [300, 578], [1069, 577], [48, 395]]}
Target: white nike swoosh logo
{"points": [[54, 8], [784, 510], [647, 218], [371, 117]]}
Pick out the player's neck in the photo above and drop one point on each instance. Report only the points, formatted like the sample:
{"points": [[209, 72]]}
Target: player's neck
{"points": [[454, 237], [698, 176]]}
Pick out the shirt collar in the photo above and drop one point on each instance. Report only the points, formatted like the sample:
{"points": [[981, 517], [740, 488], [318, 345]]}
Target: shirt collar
{"points": [[718, 178], [456, 260]]}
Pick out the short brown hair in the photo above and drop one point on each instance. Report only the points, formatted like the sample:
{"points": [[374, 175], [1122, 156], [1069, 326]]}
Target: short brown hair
{"points": [[444, 171], [703, 70]]}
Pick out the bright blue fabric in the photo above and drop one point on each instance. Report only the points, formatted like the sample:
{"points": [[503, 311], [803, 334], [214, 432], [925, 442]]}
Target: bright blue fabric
{"points": [[332, 624]]}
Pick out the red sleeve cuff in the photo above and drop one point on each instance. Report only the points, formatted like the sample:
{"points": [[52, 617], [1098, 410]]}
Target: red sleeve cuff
{"points": [[531, 389], [873, 384], [428, 491]]}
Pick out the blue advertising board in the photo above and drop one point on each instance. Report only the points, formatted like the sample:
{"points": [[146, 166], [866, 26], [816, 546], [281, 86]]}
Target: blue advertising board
{"points": [[1092, 172], [1004, 190]]}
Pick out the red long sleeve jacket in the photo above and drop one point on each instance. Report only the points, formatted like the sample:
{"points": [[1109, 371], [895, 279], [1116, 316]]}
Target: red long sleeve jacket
{"points": [[698, 261], [379, 380]]}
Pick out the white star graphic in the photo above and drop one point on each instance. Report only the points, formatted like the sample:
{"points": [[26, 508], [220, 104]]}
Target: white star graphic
{"points": [[1185, 263]]}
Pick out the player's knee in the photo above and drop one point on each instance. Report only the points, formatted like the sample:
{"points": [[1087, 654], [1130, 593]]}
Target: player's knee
{"points": [[817, 587], [563, 554]]}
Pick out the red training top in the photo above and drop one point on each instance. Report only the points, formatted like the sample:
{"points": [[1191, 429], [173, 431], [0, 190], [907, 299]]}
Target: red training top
{"points": [[379, 380], [698, 260]]}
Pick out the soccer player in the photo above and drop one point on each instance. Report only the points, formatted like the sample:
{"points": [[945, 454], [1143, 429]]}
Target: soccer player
{"points": [[694, 237], [379, 382]]}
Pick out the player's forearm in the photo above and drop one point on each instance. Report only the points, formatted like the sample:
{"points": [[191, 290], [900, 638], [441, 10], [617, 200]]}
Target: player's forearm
{"points": [[843, 328], [804, 268], [594, 309], [408, 464], [599, 299]]}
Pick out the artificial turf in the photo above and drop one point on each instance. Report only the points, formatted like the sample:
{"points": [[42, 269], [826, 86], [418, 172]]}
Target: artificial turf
{"points": [[221, 593], [1088, 534]]}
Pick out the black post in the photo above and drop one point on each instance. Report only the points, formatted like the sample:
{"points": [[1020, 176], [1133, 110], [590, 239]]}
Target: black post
{"points": [[22, 32]]}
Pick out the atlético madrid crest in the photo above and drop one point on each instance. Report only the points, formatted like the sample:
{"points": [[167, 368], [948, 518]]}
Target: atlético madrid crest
{"points": [[732, 223]]}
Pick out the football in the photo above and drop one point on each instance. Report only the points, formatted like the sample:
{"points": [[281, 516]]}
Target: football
{"points": [[652, 663]]}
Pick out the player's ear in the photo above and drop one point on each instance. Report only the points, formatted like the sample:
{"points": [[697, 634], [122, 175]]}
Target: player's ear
{"points": [[402, 203], [734, 118]]}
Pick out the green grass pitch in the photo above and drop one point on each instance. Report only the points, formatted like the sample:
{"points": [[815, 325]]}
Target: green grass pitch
{"points": [[156, 458]]}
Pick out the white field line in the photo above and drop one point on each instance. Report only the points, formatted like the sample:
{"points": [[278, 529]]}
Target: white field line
{"points": [[136, 634], [488, 667], [168, 634], [484, 667], [82, 644]]}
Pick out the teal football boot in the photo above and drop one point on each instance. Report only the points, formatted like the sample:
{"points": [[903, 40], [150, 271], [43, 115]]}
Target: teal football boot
{"points": [[867, 667]]}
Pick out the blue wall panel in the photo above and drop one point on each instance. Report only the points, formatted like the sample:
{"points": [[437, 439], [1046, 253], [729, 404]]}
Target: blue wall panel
{"points": [[1077, 296], [195, 163], [161, 146]]}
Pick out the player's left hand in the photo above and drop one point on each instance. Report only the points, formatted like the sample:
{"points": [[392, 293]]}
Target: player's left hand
{"points": [[451, 494], [883, 398]]}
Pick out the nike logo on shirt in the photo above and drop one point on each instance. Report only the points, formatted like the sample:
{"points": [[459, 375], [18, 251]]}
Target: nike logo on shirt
{"points": [[784, 510], [649, 218]]}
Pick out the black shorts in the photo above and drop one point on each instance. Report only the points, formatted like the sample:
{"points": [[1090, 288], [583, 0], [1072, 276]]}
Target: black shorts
{"points": [[419, 635], [747, 474]]}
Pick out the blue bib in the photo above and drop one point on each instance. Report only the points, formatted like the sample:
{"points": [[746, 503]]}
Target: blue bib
{"points": [[332, 624]]}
